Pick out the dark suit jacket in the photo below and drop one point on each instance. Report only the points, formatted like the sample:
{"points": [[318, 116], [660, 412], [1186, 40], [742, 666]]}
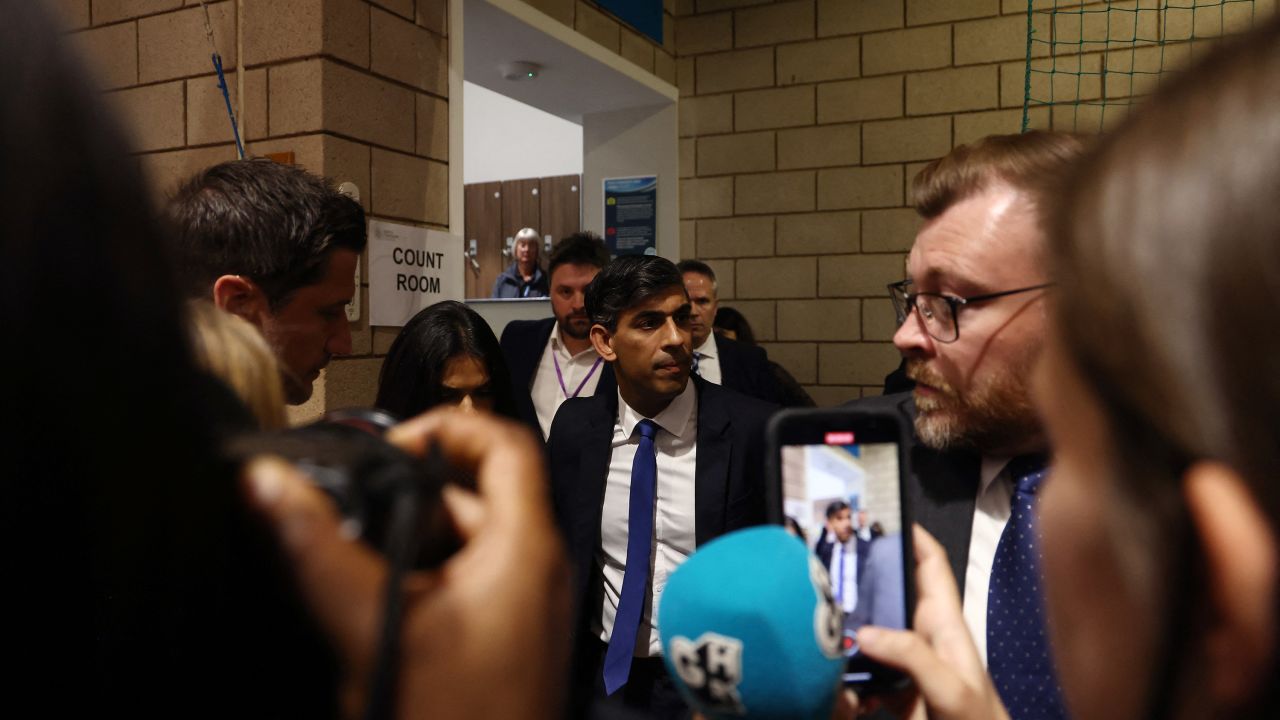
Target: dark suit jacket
{"points": [[729, 479], [523, 342], [943, 487], [861, 550], [745, 368]]}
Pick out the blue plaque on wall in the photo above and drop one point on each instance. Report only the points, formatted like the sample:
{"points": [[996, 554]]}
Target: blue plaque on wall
{"points": [[643, 15], [631, 215]]}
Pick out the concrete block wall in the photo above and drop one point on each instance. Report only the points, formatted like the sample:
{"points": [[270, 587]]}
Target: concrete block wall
{"points": [[598, 25], [802, 123], [357, 90]]}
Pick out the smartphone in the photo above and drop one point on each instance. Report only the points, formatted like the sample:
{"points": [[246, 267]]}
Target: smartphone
{"points": [[835, 479]]}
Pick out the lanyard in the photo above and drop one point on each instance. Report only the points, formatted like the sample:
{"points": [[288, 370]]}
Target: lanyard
{"points": [[560, 376]]}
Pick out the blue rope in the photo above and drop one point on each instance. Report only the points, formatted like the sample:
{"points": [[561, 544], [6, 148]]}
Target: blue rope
{"points": [[226, 95]]}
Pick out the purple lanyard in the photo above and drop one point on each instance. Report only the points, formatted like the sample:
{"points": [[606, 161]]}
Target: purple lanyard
{"points": [[560, 376]]}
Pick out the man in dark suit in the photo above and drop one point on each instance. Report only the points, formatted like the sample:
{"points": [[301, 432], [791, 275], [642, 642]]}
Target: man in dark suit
{"points": [[552, 360], [971, 323], [718, 359], [843, 552], [643, 476]]}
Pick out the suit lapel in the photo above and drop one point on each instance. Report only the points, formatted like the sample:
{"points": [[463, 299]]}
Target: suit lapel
{"points": [[593, 463], [711, 477]]}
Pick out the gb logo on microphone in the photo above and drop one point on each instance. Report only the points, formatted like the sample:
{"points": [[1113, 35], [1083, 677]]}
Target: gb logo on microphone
{"points": [[711, 667]]}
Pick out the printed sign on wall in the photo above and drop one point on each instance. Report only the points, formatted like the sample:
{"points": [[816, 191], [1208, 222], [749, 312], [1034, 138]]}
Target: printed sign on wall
{"points": [[409, 269], [631, 215]]}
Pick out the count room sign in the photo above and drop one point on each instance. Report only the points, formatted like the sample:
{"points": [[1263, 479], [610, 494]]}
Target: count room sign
{"points": [[409, 269]]}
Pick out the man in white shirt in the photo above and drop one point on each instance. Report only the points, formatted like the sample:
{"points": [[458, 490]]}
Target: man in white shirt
{"points": [[552, 360], [971, 322], [737, 366], [641, 477]]}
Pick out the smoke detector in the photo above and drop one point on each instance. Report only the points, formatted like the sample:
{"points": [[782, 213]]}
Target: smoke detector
{"points": [[520, 70]]}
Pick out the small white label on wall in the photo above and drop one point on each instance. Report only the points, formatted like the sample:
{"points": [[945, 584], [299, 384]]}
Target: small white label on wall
{"points": [[409, 269]]}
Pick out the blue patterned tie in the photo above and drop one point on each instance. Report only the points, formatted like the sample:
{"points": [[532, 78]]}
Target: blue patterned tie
{"points": [[1017, 648], [635, 579], [696, 356]]}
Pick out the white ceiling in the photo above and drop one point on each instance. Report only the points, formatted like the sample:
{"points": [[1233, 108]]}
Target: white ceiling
{"points": [[572, 82]]}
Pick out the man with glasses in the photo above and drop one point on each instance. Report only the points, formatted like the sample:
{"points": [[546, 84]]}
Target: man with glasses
{"points": [[971, 319]]}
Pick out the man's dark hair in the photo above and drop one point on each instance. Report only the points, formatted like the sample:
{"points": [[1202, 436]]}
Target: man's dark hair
{"points": [[580, 248], [627, 282], [836, 508], [275, 224], [696, 266]]}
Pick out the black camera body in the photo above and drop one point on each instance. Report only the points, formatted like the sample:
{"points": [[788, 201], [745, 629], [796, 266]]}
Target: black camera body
{"points": [[370, 480]]}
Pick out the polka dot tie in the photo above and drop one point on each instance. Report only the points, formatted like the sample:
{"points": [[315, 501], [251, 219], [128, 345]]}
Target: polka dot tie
{"points": [[1017, 646]]}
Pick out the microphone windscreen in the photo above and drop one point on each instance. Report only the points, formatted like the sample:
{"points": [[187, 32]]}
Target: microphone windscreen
{"points": [[749, 628]]}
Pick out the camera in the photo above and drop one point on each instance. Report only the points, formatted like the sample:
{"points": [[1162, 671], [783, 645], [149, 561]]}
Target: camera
{"points": [[378, 489]]}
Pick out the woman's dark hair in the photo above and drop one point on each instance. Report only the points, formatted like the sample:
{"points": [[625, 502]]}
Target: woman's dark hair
{"points": [[413, 373], [729, 319], [1166, 251], [143, 585], [627, 282]]}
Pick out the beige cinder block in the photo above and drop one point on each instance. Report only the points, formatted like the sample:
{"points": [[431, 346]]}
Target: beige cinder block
{"points": [[846, 17], [111, 53], [738, 153], [706, 197], [704, 33], [106, 12], [275, 30], [903, 50], [432, 124], [906, 140], [955, 90], [799, 359], [410, 187], [818, 233], [597, 26], [153, 115], [778, 107], [706, 115], [864, 275], [760, 316], [772, 24], [869, 99], [737, 70], [174, 44], [777, 278], [818, 60], [860, 187], [821, 146], [891, 230], [774, 192], [926, 12], [406, 52], [856, 363], [823, 320], [735, 237]]}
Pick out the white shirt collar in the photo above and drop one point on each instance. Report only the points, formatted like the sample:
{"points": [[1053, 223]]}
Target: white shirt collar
{"points": [[708, 347], [558, 346], [674, 418], [992, 466]]}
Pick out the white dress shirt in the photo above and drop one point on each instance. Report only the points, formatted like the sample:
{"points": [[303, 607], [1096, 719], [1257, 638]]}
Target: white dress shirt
{"points": [[673, 526], [991, 514], [708, 360], [547, 392], [845, 553]]}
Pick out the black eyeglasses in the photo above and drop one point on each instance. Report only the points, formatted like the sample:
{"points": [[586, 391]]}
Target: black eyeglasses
{"points": [[938, 311]]}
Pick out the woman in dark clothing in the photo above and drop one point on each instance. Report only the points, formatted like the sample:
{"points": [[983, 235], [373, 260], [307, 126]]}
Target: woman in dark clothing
{"points": [[524, 278], [731, 324], [445, 355]]}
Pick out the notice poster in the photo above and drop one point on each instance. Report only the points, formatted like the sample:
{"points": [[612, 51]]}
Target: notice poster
{"points": [[631, 215], [409, 269]]}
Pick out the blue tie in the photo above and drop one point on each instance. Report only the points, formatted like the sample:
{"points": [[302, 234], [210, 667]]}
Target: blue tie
{"points": [[694, 369], [635, 579], [1017, 648]]}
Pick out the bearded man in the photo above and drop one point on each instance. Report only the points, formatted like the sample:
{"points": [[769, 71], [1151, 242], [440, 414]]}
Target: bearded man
{"points": [[971, 315]]}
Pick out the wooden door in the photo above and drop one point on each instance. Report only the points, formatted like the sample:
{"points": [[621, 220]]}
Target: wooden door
{"points": [[482, 224], [521, 208], [561, 206]]}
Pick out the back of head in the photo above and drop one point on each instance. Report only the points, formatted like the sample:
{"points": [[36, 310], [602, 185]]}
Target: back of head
{"points": [[729, 319], [273, 223], [412, 377], [119, 516], [229, 348], [625, 283], [1167, 240], [1028, 162], [580, 248]]}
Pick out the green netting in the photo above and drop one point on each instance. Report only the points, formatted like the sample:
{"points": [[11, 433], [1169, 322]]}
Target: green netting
{"points": [[1087, 64]]}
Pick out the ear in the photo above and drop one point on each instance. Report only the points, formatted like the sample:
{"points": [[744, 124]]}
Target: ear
{"points": [[1240, 556], [602, 341], [241, 296]]}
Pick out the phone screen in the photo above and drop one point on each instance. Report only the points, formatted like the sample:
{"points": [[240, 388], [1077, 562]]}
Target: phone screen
{"points": [[844, 498]]}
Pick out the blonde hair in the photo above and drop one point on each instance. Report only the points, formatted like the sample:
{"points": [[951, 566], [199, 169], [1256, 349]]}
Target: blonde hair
{"points": [[232, 350]]}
